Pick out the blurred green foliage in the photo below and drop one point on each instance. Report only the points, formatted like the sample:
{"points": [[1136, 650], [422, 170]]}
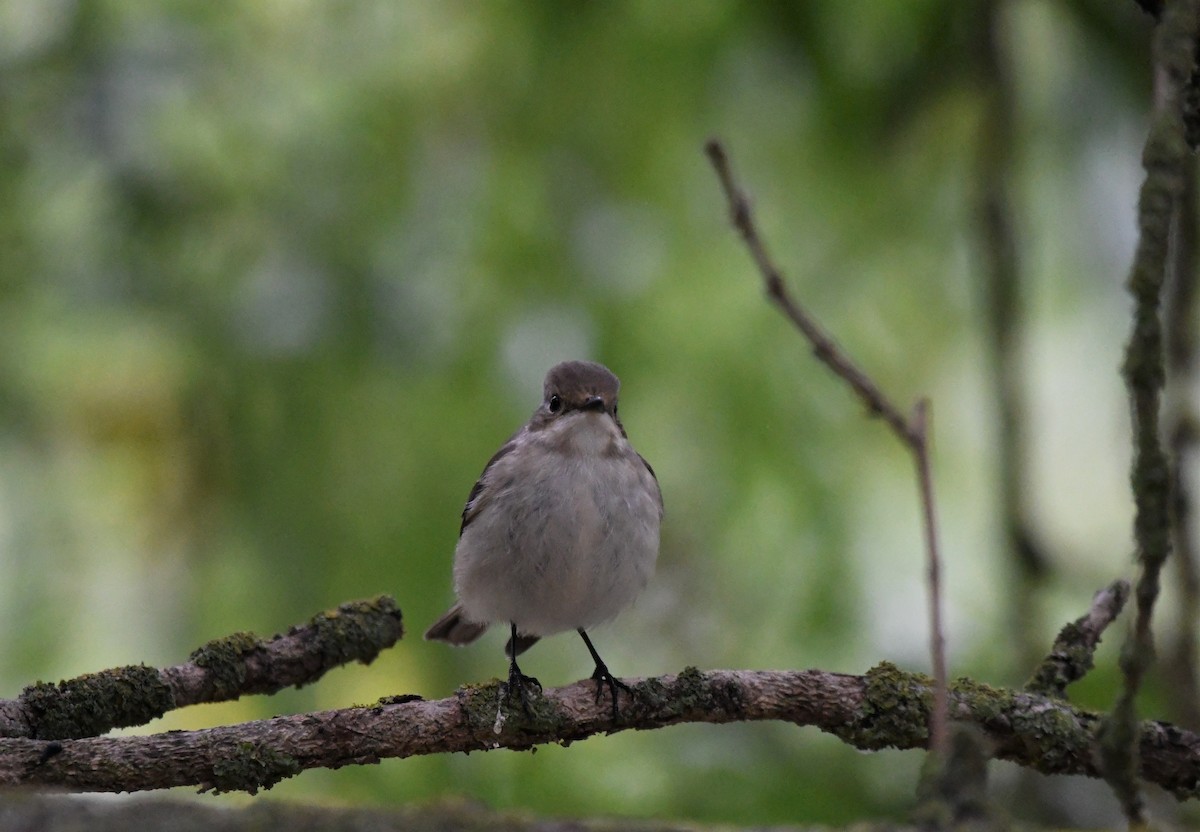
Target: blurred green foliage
{"points": [[277, 278]]}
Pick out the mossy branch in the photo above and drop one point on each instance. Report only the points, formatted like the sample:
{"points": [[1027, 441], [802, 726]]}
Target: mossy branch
{"points": [[1070, 658], [1181, 424], [223, 669], [1165, 162], [885, 708]]}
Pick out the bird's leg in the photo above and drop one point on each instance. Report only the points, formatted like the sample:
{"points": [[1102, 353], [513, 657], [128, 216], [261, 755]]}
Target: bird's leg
{"points": [[603, 677], [518, 683]]}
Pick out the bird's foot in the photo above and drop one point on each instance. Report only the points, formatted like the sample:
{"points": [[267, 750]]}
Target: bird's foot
{"points": [[520, 686], [604, 678]]}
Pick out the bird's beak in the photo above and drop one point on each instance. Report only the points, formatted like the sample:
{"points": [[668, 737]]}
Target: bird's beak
{"points": [[593, 403]]}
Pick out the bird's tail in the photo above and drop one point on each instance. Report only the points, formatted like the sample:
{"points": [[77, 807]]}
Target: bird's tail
{"points": [[454, 628], [515, 648]]}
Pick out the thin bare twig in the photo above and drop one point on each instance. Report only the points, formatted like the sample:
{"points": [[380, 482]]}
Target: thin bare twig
{"points": [[824, 347], [221, 670], [920, 425], [912, 431], [885, 708]]}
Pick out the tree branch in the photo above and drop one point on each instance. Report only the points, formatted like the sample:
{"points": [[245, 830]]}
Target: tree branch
{"points": [[912, 431], [1164, 160], [886, 708], [1182, 427], [223, 669], [56, 813], [824, 347], [1070, 658]]}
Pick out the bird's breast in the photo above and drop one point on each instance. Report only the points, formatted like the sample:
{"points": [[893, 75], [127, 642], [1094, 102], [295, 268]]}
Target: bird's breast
{"points": [[569, 540]]}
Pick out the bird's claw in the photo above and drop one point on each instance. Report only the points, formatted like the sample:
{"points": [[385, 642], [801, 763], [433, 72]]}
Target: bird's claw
{"points": [[520, 685], [603, 678]]}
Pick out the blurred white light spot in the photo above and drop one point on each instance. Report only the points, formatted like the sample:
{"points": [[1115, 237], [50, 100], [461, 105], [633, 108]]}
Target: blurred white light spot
{"points": [[541, 339], [30, 26], [282, 309], [620, 247]]}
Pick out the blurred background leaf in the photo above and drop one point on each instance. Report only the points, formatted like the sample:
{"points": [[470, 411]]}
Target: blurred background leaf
{"points": [[279, 277]]}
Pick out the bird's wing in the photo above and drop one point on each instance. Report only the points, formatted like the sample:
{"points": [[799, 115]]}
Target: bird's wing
{"points": [[657, 489], [480, 496]]}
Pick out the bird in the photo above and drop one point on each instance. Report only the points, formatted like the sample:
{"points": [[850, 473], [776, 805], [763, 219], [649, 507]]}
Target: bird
{"points": [[561, 530]]}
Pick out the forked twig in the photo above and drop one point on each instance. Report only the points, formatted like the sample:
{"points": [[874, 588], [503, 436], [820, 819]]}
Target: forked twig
{"points": [[1071, 657], [912, 430]]}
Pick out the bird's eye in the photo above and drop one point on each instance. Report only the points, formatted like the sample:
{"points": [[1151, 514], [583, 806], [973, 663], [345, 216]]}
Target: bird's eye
{"points": [[555, 404]]}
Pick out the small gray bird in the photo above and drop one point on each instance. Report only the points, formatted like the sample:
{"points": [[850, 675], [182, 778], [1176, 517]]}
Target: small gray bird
{"points": [[561, 530]]}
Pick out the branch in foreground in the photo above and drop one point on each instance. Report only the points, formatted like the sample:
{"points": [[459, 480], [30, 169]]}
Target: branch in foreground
{"points": [[913, 432], [886, 708], [1164, 160], [1182, 425], [221, 670], [1070, 658], [55, 813]]}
